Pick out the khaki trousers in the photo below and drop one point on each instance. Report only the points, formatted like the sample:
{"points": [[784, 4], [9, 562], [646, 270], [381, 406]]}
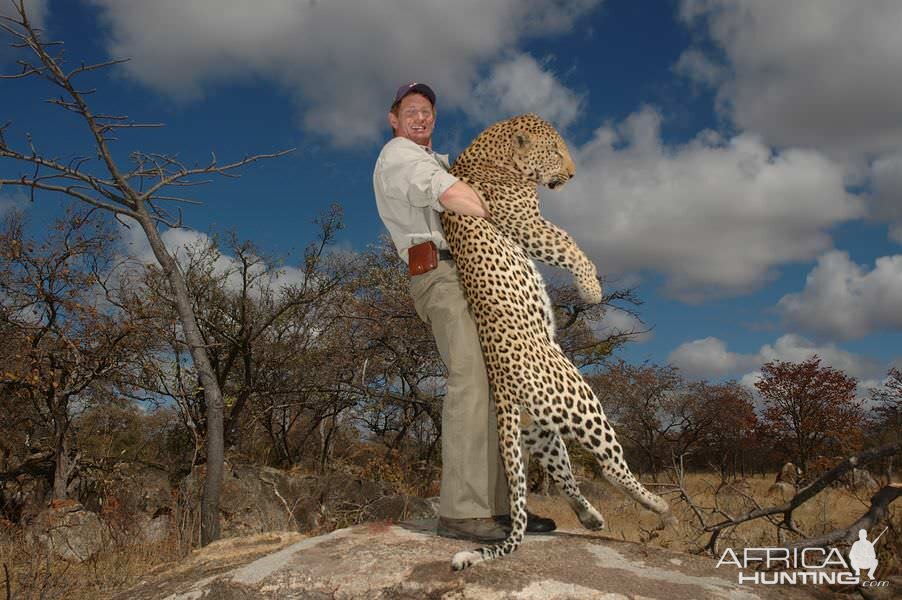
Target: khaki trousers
{"points": [[473, 479]]}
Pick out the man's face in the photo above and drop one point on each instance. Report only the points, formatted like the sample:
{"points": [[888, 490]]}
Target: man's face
{"points": [[415, 119]]}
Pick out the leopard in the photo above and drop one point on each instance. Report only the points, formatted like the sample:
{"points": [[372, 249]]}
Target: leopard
{"points": [[527, 370]]}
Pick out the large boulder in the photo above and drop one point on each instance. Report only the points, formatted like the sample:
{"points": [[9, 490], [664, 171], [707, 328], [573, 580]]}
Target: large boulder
{"points": [[131, 487], [70, 531], [378, 561], [789, 473], [784, 486], [781, 490], [861, 480]]}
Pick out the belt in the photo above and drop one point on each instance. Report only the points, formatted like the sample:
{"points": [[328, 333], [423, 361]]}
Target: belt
{"points": [[445, 255]]}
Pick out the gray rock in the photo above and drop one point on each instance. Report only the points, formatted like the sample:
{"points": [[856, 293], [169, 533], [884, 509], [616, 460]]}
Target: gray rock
{"points": [[70, 531], [132, 487], [153, 530], [862, 480], [782, 490], [378, 561]]}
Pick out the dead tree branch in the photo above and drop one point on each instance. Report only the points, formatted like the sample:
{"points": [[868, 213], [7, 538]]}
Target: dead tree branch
{"points": [[807, 493], [877, 512]]}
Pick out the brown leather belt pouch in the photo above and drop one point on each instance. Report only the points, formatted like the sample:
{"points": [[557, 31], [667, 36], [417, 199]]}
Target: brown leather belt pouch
{"points": [[422, 258]]}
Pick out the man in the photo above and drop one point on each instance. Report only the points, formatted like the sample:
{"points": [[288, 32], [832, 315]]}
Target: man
{"points": [[412, 186]]}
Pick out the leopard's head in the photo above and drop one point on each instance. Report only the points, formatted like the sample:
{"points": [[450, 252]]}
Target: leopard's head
{"points": [[538, 152]]}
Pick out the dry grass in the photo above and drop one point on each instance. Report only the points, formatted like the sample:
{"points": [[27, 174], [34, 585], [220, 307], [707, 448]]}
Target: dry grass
{"points": [[624, 519], [35, 573]]}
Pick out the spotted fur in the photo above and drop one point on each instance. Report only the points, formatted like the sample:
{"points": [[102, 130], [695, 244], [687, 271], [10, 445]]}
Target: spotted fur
{"points": [[526, 368]]}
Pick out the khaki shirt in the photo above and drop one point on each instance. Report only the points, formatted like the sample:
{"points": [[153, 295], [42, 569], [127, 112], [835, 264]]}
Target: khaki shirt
{"points": [[408, 181]]}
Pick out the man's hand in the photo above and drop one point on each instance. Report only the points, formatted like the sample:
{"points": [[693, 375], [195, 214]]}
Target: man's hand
{"points": [[463, 199]]}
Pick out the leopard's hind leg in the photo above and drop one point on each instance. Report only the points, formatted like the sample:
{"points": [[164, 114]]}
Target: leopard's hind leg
{"points": [[597, 436], [549, 449]]}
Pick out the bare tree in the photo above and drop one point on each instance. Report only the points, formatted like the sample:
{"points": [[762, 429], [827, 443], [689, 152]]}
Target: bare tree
{"points": [[646, 404], [402, 384], [782, 516], [60, 345], [142, 193]]}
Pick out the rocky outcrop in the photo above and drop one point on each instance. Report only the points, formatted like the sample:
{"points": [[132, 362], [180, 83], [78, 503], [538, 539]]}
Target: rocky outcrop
{"points": [[862, 480], [258, 499], [70, 531], [137, 503], [380, 561]]}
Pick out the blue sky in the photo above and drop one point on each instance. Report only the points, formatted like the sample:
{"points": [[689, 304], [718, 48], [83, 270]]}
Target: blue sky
{"points": [[739, 161]]}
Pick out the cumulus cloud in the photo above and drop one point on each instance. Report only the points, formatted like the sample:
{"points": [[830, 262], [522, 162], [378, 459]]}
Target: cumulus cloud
{"points": [[717, 216], [887, 199], [616, 322], [815, 73], [710, 358], [696, 65], [842, 300], [186, 243], [795, 348], [520, 85], [342, 60]]}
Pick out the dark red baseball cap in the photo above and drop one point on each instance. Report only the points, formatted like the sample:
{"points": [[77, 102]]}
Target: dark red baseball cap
{"points": [[413, 86]]}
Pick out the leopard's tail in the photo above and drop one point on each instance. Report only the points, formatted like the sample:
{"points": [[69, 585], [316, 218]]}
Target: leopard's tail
{"points": [[468, 558], [512, 457]]}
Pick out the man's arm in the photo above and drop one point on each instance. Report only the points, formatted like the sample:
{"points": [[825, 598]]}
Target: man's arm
{"points": [[460, 198], [406, 171]]}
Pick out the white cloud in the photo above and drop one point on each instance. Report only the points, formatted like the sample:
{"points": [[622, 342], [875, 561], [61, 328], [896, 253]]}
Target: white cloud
{"points": [[716, 216], [814, 73], [616, 322], [795, 348], [710, 358], [696, 65], [843, 301], [750, 379], [184, 243], [520, 85], [341, 60], [887, 201]]}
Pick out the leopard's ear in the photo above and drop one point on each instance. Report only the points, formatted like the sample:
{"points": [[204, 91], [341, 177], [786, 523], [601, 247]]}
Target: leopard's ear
{"points": [[521, 141]]}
